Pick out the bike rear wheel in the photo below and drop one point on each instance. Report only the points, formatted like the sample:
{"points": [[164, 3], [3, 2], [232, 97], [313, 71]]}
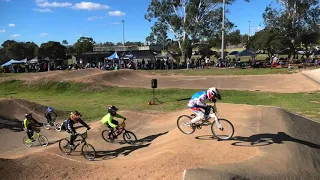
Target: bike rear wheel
{"points": [[184, 124], [27, 142], [88, 152], [64, 146], [57, 126], [43, 141], [129, 137], [105, 136], [225, 133], [46, 125]]}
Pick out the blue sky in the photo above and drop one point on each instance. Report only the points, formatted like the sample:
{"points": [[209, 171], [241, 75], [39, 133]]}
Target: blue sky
{"points": [[43, 20]]}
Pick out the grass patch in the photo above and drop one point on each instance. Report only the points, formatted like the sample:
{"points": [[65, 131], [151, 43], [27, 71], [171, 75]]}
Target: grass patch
{"points": [[10, 74], [219, 72], [72, 96]]}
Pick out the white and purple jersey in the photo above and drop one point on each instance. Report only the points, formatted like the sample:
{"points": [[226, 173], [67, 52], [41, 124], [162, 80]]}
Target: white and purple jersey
{"points": [[197, 100]]}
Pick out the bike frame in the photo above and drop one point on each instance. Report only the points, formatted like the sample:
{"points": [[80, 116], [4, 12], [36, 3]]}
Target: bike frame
{"points": [[213, 115], [82, 140]]}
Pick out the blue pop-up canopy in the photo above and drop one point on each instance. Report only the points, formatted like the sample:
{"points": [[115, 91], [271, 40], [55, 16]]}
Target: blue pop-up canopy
{"points": [[12, 61], [114, 56]]}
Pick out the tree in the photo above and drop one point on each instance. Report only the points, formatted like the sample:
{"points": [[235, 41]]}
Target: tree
{"points": [[65, 42], [30, 50], [188, 20], [205, 50], [108, 44], [84, 44], [234, 38], [53, 50], [268, 39], [290, 20]]}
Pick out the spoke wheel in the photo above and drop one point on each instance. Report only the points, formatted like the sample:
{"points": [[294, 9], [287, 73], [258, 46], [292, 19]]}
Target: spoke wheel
{"points": [[64, 146], [129, 137], [88, 152], [224, 133], [184, 124]]}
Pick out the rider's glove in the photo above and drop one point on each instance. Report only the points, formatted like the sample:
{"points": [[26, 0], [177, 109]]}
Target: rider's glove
{"points": [[88, 128], [124, 118]]}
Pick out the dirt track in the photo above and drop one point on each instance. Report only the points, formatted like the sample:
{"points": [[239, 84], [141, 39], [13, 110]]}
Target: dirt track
{"points": [[289, 83], [164, 151]]}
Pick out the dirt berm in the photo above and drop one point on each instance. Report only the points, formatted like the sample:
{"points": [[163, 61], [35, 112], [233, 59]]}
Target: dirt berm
{"points": [[288, 83], [290, 149]]}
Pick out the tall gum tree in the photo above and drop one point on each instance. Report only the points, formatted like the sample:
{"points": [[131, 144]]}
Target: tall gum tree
{"points": [[190, 21], [292, 19]]}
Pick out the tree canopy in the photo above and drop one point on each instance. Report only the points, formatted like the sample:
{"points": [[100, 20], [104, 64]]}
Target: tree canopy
{"points": [[190, 21]]}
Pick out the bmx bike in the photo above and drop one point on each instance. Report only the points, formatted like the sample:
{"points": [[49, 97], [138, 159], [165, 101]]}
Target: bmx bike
{"points": [[219, 125], [128, 136], [43, 141], [57, 126], [87, 150]]}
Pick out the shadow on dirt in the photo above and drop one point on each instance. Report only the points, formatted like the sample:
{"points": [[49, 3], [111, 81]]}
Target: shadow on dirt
{"points": [[11, 124], [142, 143], [263, 139]]}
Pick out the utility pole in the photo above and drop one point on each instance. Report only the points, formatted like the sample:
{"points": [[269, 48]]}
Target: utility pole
{"points": [[222, 44], [249, 32], [123, 31]]}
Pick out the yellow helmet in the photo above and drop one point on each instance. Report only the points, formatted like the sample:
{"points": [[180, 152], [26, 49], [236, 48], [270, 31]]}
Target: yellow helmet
{"points": [[75, 115]]}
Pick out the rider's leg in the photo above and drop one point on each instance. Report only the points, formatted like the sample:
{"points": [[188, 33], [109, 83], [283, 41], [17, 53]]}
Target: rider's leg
{"points": [[199, 113], [72, 138], [30, 133]]}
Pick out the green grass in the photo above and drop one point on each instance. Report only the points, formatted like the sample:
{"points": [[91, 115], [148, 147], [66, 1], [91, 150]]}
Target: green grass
{"points": [[10, 74], [219, 71], [75, 96]]}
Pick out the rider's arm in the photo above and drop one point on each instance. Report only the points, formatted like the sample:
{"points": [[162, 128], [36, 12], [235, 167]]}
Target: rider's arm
{"points": [[119, 116], [200, 101], [83, 123]]}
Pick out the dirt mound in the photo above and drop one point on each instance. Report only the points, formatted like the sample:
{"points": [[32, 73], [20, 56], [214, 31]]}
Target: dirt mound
{"points": [[289, 145], [288, 83], [313, 75]]}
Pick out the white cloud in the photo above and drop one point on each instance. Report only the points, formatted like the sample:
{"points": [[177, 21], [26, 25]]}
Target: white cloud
{"points": [[89, 6], [2, 30], [44, 34], [116, 13], [115, 23], [40, 1], [15, 35], [94, 18], [43, 10], [11, 25], [256, 29], [44, 4]]}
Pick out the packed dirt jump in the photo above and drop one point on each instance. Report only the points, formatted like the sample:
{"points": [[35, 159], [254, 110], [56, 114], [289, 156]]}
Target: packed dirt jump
{"points": [[287, 83], [269, 143]]}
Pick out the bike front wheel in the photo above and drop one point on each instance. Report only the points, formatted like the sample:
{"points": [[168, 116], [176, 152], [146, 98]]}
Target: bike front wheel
{"points": [[88, 152], [129, 137], [43, 141], [64, 146], [224, 132], [184, 124], [27, 142]]}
